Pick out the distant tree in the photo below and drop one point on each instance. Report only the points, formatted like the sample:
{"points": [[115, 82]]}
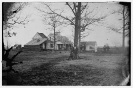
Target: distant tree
{"points": [[53, 20], [126, 15], [54, 23]]}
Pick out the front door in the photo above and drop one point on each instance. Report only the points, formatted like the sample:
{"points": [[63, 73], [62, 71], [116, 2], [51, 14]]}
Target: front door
{"points": [[58, 46], [43, 46]]}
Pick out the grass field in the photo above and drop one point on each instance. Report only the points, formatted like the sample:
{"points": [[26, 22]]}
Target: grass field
{"points": [[54, 68]]}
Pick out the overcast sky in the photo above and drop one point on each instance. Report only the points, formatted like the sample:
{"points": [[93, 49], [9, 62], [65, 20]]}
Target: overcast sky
{"points": [[100, 32]]}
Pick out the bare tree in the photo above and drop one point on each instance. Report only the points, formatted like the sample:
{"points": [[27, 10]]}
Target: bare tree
{"points": [[81, 20], [87, 19], [53, 20], [9, 20], [126, 24], [11, 15], [124, 29]]}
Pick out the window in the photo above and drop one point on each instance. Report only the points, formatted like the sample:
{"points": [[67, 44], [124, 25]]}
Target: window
{"points": [[91, 47], [38, 40], [51, 45]]}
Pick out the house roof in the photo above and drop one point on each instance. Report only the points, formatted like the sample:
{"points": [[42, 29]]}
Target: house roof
{"points": [[36, 41], [56, 33], [82, 43], [58, 42], [91, 43], [42, 35], [59, 38], [63, 39]]}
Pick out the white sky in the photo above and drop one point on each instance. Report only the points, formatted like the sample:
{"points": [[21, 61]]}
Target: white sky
{"points": [[100, 33]]}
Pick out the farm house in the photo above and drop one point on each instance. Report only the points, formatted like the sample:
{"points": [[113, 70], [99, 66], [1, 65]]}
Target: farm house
{"points": [[61, 42], [88, 46], [39, 42]]}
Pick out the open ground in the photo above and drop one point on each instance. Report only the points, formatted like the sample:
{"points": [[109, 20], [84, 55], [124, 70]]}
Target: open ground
{"points": [[54, 68]]}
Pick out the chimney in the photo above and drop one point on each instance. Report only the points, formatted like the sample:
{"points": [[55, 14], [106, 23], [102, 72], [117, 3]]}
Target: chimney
{"points": [[57, 33]]}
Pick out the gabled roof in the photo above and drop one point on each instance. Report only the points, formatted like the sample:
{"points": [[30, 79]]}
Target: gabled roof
{"points": [[82, 43], [36, 41], [42, 35], [59, 38], [56, 34], [64, 40], [91, 43], [39, 36]]}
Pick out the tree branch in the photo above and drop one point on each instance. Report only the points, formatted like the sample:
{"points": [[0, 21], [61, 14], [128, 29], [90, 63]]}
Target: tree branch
{"points": [[74, 6], [83, 35], [83, 8], [71, 8], [53, 12], [11, 24], [116, 30]]}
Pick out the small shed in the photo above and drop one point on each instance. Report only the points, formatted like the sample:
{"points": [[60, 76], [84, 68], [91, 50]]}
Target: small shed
{"points": [[89, 46]]}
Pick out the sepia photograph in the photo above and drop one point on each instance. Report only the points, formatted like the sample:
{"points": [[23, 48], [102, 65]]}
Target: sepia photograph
{"points": [[66, 43]]}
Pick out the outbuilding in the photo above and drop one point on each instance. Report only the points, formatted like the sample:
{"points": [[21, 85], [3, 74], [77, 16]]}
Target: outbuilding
{"points": [[88, 46]]}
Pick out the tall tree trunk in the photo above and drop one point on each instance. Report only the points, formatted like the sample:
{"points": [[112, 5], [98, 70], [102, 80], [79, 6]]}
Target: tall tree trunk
{"points": [[79, 25], [123, 39], [77, 28], [54, 38], [79, 38]]}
